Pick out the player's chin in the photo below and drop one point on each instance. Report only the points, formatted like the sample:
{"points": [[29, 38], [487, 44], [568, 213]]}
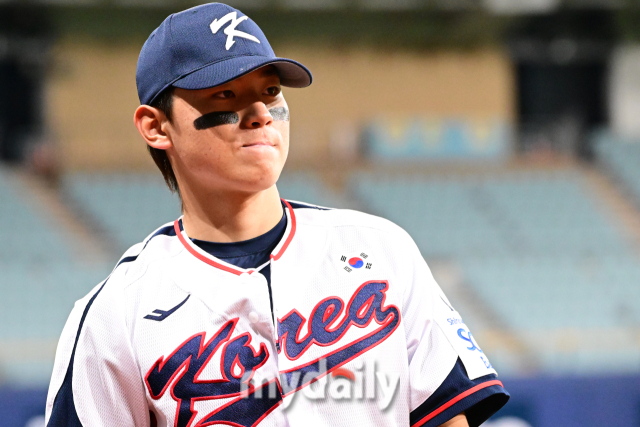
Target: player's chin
{"points": [[257, 184], [262, 173]]}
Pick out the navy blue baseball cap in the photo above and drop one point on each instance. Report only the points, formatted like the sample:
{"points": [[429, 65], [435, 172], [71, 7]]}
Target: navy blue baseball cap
{"points": [[206, 46]]}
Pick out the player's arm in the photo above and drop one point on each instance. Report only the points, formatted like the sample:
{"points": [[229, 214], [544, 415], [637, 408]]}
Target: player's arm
{"points": [[457, 421], [96, 380], [449, 374]]}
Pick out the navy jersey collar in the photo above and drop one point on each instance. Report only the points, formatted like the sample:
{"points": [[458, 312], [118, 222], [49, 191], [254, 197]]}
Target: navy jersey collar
{"points": [[264, 243], [221, 264]]}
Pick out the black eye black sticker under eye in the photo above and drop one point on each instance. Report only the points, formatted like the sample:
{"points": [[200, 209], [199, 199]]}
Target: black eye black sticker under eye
{"points": [[279, 114], [215, 118], [218, 118]]}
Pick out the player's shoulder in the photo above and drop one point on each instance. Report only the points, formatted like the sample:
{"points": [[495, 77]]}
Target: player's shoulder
{"points": [[311, 214], [156, 248], [353, 225]]}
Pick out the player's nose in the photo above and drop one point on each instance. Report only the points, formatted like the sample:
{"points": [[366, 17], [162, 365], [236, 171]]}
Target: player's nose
{"points": [[256, 116]]}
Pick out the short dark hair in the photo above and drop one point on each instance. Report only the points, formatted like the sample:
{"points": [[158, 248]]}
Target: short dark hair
{"points": [[164, 103]]}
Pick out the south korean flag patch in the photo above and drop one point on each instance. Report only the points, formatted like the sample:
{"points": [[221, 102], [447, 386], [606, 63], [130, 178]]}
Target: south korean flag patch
{"points": [[475, 361], [355, 262]]}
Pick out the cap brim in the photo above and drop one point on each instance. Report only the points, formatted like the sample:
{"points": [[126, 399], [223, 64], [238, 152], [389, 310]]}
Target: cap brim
{"points": [[292, 73]]}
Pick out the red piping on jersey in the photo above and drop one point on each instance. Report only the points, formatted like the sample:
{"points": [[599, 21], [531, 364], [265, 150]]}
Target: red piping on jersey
{"points": [[455, 400], [210, 261], [291, 233], [201, 257]]}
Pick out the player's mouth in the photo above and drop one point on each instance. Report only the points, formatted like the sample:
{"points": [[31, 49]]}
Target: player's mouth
{"points": [[258, 144]]}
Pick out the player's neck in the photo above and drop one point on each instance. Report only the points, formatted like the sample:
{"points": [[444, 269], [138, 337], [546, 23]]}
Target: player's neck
{"points": [[231, 217]]}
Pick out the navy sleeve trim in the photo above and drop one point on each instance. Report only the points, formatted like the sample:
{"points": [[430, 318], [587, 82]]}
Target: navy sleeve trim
{"points": [[167, 230], [63, 413], [478, 399]]}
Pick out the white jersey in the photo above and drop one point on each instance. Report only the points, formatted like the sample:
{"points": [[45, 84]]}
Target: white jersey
{"points": [[351, 330]]}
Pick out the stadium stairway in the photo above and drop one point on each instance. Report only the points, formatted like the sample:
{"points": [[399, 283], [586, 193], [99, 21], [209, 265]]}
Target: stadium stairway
{"points": [[122, 208], [620, 208], [88, 246]]}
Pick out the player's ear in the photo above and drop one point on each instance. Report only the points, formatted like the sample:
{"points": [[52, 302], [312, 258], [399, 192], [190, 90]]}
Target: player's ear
{"points": [[152, 123]]}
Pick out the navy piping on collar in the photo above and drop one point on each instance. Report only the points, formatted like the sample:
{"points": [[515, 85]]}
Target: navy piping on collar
{"points": [[296, 205], [63, 413]]}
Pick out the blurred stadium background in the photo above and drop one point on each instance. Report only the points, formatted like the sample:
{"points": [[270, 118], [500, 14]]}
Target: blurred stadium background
{"points": [[504, 135]]}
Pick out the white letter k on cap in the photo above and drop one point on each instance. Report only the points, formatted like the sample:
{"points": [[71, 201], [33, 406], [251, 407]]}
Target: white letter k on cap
{"points": [[231, 31]]}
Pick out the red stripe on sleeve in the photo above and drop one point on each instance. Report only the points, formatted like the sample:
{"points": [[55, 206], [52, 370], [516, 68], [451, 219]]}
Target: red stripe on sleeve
{"points": [[455, 400]]}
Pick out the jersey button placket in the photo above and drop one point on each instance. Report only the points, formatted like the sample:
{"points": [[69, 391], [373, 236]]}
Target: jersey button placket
{"points": [[263, 280]]}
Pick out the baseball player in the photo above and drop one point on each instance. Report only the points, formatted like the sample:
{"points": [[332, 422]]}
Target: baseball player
{"points": [[251, 310]]}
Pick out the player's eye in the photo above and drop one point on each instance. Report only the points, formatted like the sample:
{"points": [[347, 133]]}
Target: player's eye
{"points": [[272, 91], [225, 94]]}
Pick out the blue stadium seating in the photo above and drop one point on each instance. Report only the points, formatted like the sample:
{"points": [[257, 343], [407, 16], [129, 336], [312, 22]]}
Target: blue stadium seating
{"points": [[621, 158], [41, 276], [518, 213], [27, 234], [558, 292], [308, 187], [37, 298], [126, 207]]}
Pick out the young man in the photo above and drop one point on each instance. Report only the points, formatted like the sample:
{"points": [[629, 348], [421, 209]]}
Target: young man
{"points": [[250, 309]]}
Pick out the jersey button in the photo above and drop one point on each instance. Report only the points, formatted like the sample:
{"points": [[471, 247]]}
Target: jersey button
{"points": [[253, 317]]}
